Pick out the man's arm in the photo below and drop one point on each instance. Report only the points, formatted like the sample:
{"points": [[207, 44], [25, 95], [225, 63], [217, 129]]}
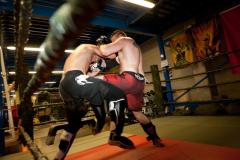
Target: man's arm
{"points": [[112, 56], [140, 67], [90, 48], [97, 50], [114, 47]]}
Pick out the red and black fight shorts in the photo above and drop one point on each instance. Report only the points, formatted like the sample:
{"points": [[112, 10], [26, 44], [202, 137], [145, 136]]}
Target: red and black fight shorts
{"points": [[132, 84]]}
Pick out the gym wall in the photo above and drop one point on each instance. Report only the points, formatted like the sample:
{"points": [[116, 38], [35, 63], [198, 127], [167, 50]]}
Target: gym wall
{"points": [[151, 56]]}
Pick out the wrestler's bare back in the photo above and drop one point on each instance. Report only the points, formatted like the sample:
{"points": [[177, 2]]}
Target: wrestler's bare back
{"points": [[130, 57], [81, 58]]}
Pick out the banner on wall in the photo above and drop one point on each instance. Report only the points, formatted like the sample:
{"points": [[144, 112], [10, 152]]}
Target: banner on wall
{"points": [[206, 39], [230, 20], [180, 48]]}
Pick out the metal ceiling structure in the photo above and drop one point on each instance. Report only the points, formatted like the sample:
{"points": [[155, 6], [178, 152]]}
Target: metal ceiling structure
{"points": [[139, 22]]}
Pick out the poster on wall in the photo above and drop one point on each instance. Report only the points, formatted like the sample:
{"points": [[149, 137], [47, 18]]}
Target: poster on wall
{"points": [[180, 48], [206, 39], [231, 31]]}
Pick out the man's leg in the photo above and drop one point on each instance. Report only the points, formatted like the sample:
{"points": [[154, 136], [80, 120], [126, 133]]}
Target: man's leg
{"points": [[66, 141], [116, 107], [100, 114], [74, 112], [116, 111], [149, 128]]}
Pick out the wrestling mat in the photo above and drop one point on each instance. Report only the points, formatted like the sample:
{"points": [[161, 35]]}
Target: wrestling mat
{"points": [[174, 150]]}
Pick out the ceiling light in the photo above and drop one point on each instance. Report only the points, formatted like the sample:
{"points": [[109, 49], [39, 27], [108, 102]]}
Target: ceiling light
{"points": [[50, 82], [32, 49], [141, 3], [34, 72], [25, 49], [57, 72], [68, 50], [11, 48], [12, 73]]}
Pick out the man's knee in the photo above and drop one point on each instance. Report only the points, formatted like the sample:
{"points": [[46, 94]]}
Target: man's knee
{"points": [[100, 114], [66, 141], [116, 111]]}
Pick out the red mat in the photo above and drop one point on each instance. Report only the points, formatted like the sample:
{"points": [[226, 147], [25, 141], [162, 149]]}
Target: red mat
{"points": [[174, 150]]}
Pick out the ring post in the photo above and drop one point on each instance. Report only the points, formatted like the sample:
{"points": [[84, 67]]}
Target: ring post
{"points": [[157, 87], [2, 141], [169, 89], [165, 67]]}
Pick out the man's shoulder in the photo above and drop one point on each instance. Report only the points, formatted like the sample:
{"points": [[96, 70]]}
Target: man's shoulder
{"points": [[126, 39], [86, 46]]}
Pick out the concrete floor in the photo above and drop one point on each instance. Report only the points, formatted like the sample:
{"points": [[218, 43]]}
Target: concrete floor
{"points": [[215, 130]]}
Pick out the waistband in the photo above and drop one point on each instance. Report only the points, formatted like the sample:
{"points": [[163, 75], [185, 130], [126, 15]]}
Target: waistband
{"points": [[73, 73], [138, 76], [132, 73]]}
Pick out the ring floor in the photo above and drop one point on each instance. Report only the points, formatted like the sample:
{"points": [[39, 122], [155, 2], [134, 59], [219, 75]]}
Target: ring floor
{"points": [[220, 131]]}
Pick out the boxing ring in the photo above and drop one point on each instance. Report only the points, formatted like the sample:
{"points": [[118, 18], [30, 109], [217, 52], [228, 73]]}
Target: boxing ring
{"points": [[67, 22], [96, 147]]}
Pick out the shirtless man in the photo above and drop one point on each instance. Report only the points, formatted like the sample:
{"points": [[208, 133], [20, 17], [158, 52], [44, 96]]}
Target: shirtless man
{"points": [[131, 78], [76, 86]]}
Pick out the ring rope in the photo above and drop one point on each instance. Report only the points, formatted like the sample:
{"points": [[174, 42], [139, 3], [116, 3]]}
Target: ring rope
{"points": [[68, 21], [36, 152]]}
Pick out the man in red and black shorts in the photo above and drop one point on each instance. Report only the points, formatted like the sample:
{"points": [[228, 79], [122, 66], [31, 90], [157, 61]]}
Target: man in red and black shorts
{"points": [[132, 84], [131, 77]]}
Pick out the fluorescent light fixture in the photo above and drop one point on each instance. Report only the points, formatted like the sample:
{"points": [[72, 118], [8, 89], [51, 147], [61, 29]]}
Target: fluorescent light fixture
{"points": [[34, 72], [143, 3], [25, 49], [57, 72], [68, 50], [11, 48], [50, 82], [32, 49], [11, 73]]}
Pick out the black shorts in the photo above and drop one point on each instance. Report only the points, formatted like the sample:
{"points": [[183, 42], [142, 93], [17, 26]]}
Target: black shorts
{"points": [[77, 86]]}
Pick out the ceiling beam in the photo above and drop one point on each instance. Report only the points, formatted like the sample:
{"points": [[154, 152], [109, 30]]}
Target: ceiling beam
{"points": [[138, 13], [120, 24], [41, 11]]}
